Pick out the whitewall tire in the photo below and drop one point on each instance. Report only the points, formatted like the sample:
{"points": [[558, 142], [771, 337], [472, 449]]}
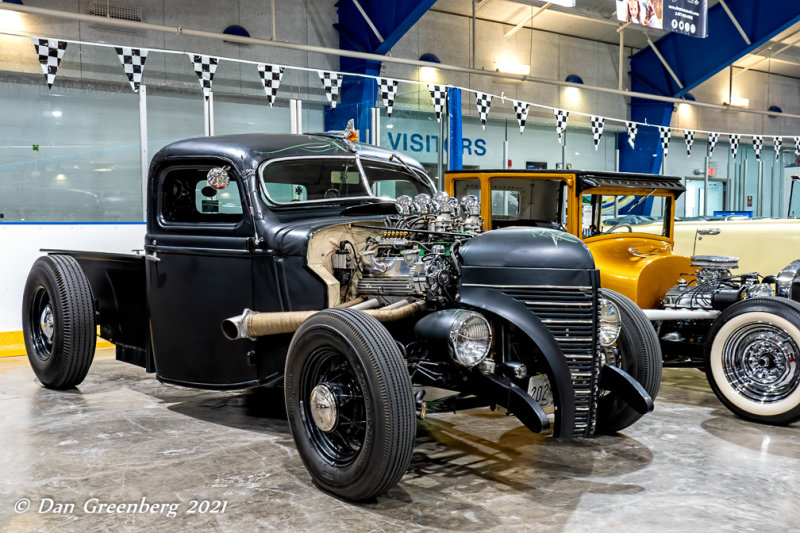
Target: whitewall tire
{"points": [[753, 360]]}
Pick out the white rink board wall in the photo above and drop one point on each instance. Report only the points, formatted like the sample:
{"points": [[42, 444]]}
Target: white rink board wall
{"points": [[21, 244]]}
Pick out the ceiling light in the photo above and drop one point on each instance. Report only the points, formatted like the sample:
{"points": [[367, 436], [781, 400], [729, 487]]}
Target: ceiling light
{"points": [[737, 101], [56, 113], [565, 3], [509, 67]]}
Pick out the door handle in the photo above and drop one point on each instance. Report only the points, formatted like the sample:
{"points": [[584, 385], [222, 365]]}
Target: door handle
{"points": [[152, 257]]}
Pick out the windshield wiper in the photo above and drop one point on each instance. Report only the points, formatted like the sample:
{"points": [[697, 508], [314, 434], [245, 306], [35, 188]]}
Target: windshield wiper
{"points": [[642, 199]]}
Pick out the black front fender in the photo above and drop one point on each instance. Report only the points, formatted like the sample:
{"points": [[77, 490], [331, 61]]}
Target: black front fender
{"points": [[507, 308]]}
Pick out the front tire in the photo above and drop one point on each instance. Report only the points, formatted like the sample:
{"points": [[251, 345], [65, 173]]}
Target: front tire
{"points": [[349, 403], [751, 360], [58, 321], [638, 353]]}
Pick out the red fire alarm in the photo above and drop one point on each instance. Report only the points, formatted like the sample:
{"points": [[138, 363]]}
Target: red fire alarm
{"points": [[711, 171], [509, 164], [749, 201]]}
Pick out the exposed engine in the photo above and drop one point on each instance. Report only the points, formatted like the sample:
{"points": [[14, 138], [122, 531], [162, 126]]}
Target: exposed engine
{"points": [[413, 254], [714, 286]]}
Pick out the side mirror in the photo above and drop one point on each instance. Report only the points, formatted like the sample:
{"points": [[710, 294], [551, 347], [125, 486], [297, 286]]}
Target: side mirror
{"points": [[709, 231]]}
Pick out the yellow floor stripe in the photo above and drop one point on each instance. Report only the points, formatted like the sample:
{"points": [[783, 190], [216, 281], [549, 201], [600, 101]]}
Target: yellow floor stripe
{"points": [[11, 343]]}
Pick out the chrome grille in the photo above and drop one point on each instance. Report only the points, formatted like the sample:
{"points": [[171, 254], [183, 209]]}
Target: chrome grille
{"points": [[569, 313]]}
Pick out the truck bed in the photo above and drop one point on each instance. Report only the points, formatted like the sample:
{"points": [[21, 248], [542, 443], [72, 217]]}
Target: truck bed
{"points": [[119, 287]]}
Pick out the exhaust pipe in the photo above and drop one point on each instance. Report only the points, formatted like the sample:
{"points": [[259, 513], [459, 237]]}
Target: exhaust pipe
{"points": [[250, 324]]}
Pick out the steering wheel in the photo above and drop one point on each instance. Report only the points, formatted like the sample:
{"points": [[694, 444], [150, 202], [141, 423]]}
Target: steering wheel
{"points": [[617, 226], [331, 193]]}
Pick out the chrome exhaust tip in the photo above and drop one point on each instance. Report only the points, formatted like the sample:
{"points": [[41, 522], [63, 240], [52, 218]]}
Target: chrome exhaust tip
{"points": [[235, 327]]}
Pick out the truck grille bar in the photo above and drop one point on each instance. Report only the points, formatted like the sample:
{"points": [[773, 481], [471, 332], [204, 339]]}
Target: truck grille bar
{"points": [[570, 315]]}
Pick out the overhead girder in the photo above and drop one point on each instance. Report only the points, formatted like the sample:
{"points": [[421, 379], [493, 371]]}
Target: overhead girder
{"points": [[372, 26], [694, 61]]}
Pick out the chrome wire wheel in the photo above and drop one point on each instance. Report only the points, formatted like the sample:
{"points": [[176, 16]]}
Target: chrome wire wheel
{"points": [[751, 361], [759, 361], [335, 414]]}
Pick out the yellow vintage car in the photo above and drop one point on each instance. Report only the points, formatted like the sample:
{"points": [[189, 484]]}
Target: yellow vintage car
{"points": [[742, 329]]}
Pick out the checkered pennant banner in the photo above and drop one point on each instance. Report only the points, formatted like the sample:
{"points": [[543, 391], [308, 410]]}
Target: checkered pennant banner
{"points": [[204, 67], [776, 143], [439, 97], [598, 123], [688, 136], [331, 82], [271, 76], [664, 132], [521, 110], [735, 144], [796, 145], [758, 143], [483, 102], [633, 129], [561, 123], [132, 60], [388, 89], [712, 142], [50, 52]]}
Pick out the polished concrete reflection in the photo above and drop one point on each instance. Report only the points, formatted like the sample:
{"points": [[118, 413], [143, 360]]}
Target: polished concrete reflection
{"points": [[123, 437]]}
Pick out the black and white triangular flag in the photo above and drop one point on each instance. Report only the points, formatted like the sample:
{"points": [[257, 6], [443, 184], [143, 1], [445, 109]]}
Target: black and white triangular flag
{"points": [[388, 89], [688, 135], [712, 142], [132, 60], [271, 76], [633, 128], [796, 145], [50, 52], [439, 97], [776, 143], [204, 67], [521, 110], [735, 144], [331, 82], [561, 123], [598, 123], [758, 143], [664, 132], [483, 102]]}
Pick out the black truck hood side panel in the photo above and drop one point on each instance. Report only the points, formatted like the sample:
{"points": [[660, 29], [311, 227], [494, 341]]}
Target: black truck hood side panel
{"points": [[526, 247]]}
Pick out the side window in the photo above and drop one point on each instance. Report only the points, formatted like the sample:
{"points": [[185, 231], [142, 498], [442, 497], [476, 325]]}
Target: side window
{"points": [[505, 204], [186, 197], [465, 187]]}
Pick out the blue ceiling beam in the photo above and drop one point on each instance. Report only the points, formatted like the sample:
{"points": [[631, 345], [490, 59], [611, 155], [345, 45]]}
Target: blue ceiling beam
{"points": [[392, 20], [694, 61]]}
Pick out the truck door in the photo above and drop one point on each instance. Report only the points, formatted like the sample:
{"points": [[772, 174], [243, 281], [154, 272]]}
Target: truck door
{"points": [[199, 271]]}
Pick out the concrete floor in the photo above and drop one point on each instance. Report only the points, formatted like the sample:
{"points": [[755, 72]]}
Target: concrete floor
{"points": [[122, 437]]}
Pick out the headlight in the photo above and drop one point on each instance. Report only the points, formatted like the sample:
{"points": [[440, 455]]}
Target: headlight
{"points": [[610, 322], [470, 338]]}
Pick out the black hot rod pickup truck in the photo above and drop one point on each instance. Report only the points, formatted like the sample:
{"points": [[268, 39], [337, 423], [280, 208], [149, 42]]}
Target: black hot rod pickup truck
{"points": [[367, 286]]}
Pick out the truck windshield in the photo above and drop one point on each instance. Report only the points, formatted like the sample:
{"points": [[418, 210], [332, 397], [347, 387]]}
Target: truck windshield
{"points": [[642, 213], [330, 179]]}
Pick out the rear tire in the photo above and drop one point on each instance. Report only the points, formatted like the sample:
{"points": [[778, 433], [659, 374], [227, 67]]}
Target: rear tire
{"points": [[751, 360], [639, 355], [349, 403], [58, 321]]}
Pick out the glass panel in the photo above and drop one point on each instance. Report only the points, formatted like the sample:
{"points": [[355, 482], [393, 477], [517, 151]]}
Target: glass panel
{"points": [[311, 179], [172, 117], [187, 198], [69, 154], [526, 201], [391, 181], [625, 213], [505, 204], [465, 187]]}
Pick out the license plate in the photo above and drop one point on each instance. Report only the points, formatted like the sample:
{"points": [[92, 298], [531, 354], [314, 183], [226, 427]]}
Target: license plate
{"points": [[539, 390]]}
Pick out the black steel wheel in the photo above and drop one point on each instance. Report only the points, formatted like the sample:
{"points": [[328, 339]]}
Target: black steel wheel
{"points": [[58, 321], [349, 403], [637, 352], [751, 360]]}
